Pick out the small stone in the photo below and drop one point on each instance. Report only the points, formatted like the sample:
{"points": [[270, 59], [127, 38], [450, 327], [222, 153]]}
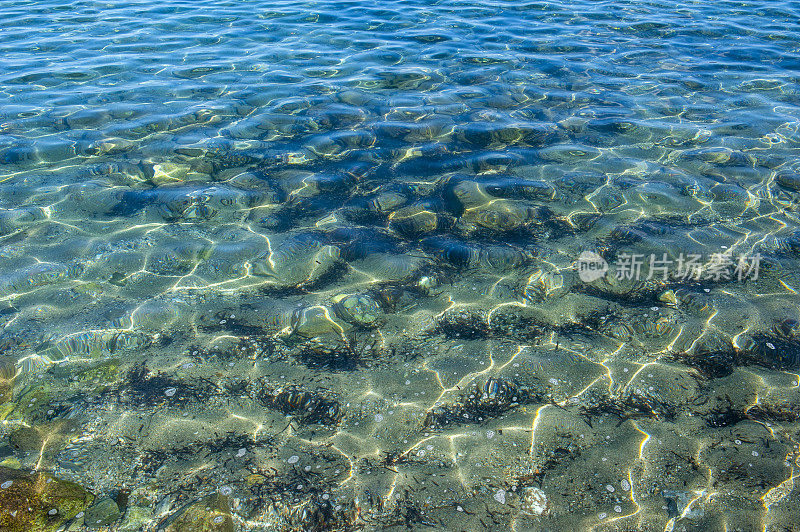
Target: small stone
{"points": [[534, 501], [500, 496]]}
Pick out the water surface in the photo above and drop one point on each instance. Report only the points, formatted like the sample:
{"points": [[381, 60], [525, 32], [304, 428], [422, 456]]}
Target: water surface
{"points": [[316, 265]]}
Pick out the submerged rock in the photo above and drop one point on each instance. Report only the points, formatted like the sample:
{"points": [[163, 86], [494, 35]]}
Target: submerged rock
{"points": [[15, 219], [487, 257], [208, 514], [313, 322], [789, 180], [300, 261], [358, 309], [413, 221], [26, 439], [103, 512], [38, 501]]}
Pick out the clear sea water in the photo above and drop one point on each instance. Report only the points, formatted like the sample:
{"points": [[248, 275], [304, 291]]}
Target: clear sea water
{"points": [[359, 265]]}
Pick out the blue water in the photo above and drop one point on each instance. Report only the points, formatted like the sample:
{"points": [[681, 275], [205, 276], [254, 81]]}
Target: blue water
{"points": [[329, 260]]}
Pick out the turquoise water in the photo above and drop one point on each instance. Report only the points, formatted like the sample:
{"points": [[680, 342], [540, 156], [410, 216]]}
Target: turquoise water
{"points": [[400, 265]]}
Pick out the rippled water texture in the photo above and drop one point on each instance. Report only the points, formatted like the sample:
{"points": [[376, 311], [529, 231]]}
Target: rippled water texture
{"points": [[312, 266]]}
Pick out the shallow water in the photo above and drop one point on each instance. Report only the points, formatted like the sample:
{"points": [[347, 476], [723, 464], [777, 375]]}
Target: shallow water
{"points": [[327, 266]]}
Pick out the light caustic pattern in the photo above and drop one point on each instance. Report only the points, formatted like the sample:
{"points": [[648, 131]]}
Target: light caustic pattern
{"points": [[313, 267]]}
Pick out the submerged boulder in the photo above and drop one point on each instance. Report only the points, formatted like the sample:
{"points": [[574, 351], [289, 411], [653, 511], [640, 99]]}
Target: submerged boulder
{"points": [[104, 512], [34, 500]]}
